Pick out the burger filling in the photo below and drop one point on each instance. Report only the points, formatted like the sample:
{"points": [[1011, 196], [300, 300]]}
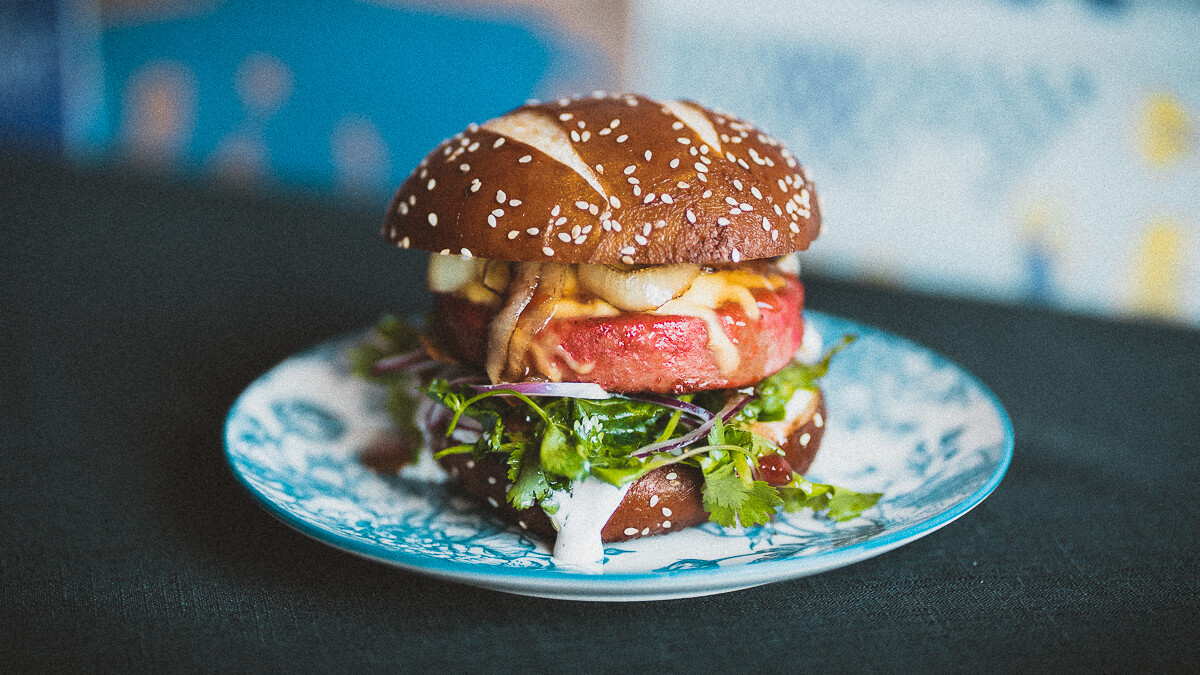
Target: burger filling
{"points": [[664, 328]]}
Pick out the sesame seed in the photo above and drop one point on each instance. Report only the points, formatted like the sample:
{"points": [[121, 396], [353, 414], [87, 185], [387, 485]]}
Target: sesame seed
{"points": [[632, 180], [672, 476], [755, 191], [403, 208], [774, 235], [675, 163], [547, 250], [575, 135], [564, 237], [778, 211], [628, 250], [493, 502], [580, 239], [585, 135], [653, 501], [616, 203], [628, 260], [706, 160], [497, 212], [805, 438], [722, 221], [691, 216], [794, 228], [700, 167], [433, 219], [424, 173], [599, 168], [491, 220], [575, 230], [745, 207], [616, 226], [667, 199], [581, 205], [555, 211], [731, 201], [640, 239], [405, 243], [667, 524], [432, 182], [533, 231], [615, 123], [499, 142], [565, 116], [475, 185], [704, 149], [648, 155], [645, 531], [514, 202], [593, 209], [561, 220], [706, 194], [737, 184], [646, 229], [677, 126], [637, 190], [685, 141], [466, 252], [682, 185], [526, 159], [630, 531], [766, 224], [622, 138], [742, 163], [666, 512], [512, 234], [729, 156], [649, 198], [692, 152], [412, 200], [444, 251], [605, 131], [703, 177], [735, 255], [630, 169], [563, 101], [818, 421]]}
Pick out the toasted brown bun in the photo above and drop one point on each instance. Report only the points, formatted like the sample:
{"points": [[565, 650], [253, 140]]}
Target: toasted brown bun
{"points": [[608, 179], [665, 500]]}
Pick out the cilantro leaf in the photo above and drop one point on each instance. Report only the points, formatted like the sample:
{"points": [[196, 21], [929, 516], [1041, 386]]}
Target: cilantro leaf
{"points": [[731, 500], [837, 503]]}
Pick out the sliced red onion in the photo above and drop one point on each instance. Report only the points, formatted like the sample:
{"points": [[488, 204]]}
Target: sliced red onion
{"points": [[406, 362], [674, 404], [732, 408], [586, 390]]}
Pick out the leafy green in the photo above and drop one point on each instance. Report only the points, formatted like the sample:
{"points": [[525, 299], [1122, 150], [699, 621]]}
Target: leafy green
{"points": [[731, 500], [549, 442], [392, 336]]}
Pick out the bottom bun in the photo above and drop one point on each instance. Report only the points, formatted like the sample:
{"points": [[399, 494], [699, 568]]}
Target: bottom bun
{"points": [[665, 500]]}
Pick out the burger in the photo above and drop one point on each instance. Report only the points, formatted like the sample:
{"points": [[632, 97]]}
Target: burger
{"points": [[617, 347]]}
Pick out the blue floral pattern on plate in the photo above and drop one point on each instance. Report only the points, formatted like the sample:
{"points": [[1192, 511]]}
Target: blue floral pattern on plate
{"points": [[902, 420]]}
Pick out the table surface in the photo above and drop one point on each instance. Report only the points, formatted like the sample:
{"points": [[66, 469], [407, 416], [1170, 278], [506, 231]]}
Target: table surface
{"points": [[135, 309]]}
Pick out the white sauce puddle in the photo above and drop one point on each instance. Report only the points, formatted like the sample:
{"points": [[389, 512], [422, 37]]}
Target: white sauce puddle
{"points": [[582, 513]]}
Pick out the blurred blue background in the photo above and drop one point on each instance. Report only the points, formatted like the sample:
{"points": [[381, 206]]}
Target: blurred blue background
{"points": [[1038, 151]]}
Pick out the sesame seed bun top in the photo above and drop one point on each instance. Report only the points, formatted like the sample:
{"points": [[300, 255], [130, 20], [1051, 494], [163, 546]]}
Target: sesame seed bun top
{"points": [[608, 179]]}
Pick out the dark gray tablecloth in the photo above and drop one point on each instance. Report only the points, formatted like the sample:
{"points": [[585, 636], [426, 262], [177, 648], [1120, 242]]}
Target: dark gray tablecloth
{"points": [[136, 309]]}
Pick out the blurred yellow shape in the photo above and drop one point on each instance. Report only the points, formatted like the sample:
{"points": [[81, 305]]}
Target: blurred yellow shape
{"points": [[1165, 130], [1158, 269]]}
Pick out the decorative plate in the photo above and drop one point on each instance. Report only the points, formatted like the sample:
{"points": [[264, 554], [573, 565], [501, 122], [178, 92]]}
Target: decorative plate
{"points": [[902, 421]]}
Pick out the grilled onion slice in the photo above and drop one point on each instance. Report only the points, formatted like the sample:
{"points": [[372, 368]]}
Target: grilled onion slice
{"points": [[641, 289]]}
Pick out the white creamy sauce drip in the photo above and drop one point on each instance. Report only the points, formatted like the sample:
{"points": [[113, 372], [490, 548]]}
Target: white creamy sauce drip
{"points": [[581, 515]]}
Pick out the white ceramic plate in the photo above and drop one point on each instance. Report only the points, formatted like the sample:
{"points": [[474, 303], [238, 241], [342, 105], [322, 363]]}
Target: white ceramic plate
{"points": [[902, 421]]}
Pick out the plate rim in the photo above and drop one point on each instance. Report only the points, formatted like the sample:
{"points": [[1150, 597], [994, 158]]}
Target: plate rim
{"points": [[567, 584]]}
